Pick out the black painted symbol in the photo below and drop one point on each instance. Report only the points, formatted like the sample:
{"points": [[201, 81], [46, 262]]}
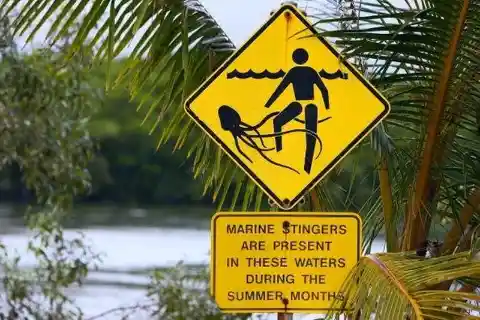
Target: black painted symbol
{"points": [[303, 79], [230, 121]]}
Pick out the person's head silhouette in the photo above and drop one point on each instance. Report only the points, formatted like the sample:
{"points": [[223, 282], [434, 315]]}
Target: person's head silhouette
{"points": [[300, 56]]}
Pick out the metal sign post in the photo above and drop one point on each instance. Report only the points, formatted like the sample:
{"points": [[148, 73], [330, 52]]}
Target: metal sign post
{"points": [[285, 316], [288, 316]]}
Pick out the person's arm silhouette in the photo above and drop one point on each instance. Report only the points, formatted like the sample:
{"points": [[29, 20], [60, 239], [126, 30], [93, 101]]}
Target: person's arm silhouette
{"points": [[278, 91], [330, 76], [323, 89]]}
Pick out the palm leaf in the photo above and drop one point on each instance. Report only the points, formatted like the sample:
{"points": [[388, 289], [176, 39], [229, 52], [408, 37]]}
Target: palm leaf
{"points": [[397, 286], [180, 44], [404, 50]]}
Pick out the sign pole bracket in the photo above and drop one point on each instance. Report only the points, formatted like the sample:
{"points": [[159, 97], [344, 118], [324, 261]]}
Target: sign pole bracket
{"points": [[286, 315]]}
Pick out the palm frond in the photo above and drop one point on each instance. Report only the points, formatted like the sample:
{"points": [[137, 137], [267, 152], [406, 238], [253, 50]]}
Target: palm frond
{"points": [[398, 286], [407, 50], [174, 46]]}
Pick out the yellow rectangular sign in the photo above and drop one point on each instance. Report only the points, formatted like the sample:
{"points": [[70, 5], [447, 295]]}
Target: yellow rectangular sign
{"points": [[282, 261]]}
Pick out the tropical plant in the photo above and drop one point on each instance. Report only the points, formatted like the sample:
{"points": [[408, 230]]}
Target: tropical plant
{"points": [[44, 110], [424, 57], [181, 45], [177, 293]]}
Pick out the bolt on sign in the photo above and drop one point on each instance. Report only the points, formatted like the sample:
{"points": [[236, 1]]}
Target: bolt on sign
{"points": [[286, 107], [282, 261]]}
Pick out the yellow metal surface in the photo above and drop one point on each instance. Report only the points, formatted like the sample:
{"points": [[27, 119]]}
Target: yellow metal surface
{"points": [[284, 89], [282, 261]]}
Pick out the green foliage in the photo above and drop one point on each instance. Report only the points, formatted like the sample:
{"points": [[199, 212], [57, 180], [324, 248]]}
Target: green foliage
{"points": [[406, 62], [39, 293], [178, 293], [127, 167], [425, 60], [430, 141], [124, 167], [45, 105], [177, 61], [183, 294], [399, 286]]}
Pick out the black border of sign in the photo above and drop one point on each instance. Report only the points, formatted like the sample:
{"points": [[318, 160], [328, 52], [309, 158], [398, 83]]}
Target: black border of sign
{"points": [[234, 157], [284, 215]]}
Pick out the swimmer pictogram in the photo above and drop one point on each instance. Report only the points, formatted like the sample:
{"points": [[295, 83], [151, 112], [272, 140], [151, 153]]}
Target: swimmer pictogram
{"points": [[303, 79]]}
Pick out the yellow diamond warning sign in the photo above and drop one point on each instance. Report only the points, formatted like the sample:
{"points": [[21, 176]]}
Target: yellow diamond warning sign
{"points": [[282, 262], [286, 108]]}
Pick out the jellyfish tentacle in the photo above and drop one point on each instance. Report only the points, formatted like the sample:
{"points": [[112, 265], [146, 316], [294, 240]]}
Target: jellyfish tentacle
{"points": [[272, 135], [264, 120], [246, 127], [261, 154], [230, 121], [251, 143], [320, 147], [276, 163], [240, 149]]}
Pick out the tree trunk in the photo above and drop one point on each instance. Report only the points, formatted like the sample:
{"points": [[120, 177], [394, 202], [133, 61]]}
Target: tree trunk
{"points": [[387, 201]]}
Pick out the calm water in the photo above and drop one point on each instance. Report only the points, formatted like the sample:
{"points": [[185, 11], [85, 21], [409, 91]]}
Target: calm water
{"points": [[126, 249]]}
